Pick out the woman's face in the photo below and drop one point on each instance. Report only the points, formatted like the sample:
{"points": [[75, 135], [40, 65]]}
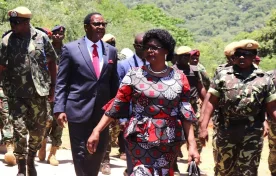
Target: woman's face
{"points": [[154, 52]]}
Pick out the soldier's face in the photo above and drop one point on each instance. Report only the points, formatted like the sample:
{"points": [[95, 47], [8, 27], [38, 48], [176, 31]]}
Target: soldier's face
{"points": [[194, 60], [183, 59], [19, 25], [244, 59], [58, 36]]}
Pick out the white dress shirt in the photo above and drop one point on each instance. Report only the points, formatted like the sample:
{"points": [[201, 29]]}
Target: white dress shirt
{"points": [[89, 45]]}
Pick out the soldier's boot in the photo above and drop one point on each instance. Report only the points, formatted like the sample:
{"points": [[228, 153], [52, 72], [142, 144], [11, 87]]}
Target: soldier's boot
{"points": [[42, 150], [52, 156], [9, 156], [21, 167], [31, 165]]}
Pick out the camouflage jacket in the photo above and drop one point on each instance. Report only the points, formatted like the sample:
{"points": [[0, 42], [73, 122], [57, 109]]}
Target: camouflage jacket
{"points": [[242, 96], [25, 60], [204, 76], [221, 67], [272, 74]]}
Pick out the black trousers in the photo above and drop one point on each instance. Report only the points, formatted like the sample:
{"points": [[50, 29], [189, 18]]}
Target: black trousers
{"points": [[86, 164]]}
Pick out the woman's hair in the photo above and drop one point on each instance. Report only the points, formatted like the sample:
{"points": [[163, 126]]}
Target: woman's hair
{"points": [[164, 37]]}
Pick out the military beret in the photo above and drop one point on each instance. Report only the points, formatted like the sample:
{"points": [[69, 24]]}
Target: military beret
{"points": [[58, 28], [183, 50], [229, 50], [258, 58], [21, 11], [108, 38], [247, 44], [195, 52]]}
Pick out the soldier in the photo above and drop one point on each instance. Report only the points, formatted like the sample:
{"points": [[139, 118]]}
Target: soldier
{"points": [[6, 129], [27, 60], [195, 61], [242, 93], [196, 87], [53, 129], [272, 134]]}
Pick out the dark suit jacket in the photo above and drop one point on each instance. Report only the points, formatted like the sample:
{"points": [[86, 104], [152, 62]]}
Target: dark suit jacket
{"points": [[78, 92], [125, 65]]}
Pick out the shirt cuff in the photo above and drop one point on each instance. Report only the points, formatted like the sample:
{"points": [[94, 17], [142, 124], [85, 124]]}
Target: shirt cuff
{"points": [[270, 98], [214, 92]]}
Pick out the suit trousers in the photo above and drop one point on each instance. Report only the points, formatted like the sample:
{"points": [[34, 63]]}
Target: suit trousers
{"points": [[86, 164]]}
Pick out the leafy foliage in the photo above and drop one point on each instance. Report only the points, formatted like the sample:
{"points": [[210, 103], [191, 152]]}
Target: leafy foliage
{"points": [[220, 18]]}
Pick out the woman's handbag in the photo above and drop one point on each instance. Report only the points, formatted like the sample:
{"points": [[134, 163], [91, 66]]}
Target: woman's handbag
{"points": [[193, 169]]}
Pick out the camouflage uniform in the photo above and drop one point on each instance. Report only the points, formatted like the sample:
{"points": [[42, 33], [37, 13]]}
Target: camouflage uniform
{"points": [[272, 135], [5, 123], [204, 76], [215, 115], [26, 84], [241, 114]]}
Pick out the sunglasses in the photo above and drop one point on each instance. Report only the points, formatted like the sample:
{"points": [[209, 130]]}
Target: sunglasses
{"points": [[16, 22], [243, 53], [98, 24], [151, 48]]}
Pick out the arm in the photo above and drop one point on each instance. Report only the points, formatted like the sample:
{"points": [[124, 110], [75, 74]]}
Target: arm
{"points": [[61, 87], [271, 109], [201, 90], [209, 106], [193, 152], [53, 73], [93, 140]]}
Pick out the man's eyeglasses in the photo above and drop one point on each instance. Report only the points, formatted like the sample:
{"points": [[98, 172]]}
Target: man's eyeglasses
{"points": [[244, 54], [139, 46], [151, 48], [98, 24]]}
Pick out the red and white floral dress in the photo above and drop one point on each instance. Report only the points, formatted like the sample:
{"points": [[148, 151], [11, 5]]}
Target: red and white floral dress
{"points": [[159, 107]]}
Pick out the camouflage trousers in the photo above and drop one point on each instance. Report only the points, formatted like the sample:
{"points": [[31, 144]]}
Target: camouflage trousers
{"points": [[114, 131], [214, 136], [272, 147], [53, 129], [5, 121], [238, 150], [29, 116]]}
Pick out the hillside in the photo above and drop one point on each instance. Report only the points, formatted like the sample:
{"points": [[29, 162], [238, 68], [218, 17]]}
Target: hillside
{"points": [[215, 18]]}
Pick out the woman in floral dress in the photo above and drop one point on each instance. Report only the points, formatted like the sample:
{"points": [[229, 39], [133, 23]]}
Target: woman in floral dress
{"points": [[161, 113]]}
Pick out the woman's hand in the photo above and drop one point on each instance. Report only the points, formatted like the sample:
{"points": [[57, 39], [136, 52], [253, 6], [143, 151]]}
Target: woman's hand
{"points": [[266, 128], [193, 154], [93, 141]]}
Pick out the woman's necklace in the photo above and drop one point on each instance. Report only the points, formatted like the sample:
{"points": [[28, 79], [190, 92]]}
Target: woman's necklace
{"points": [[160, 72]]}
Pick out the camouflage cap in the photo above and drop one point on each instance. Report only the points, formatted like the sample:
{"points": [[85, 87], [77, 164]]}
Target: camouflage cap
{"points": [[21, 11], [108, 38], [247, 44], [229, 50], [183, 50]]}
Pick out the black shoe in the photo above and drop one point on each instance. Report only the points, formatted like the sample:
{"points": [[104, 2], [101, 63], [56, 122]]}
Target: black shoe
{"points": [[21, 167], [31, 166]]}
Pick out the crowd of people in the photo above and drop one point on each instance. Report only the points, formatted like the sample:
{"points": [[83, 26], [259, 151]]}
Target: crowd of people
{"points": [[149, 102]]}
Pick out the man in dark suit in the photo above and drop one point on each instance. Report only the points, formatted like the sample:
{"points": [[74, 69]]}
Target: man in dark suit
{"points": [[87, 80]]}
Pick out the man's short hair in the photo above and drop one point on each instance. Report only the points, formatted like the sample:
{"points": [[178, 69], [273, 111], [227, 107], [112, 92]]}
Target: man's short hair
{"points": [[88, 17]]}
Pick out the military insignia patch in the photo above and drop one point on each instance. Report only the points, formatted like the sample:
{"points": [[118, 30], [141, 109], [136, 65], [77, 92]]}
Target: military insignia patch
{"points": [[13, 14], [249, 45]]}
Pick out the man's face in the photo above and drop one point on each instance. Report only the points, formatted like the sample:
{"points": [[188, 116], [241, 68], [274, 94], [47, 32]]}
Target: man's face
{"points": [[244, 58], [183, 59], [58, 36], [96, 28], [138, 45], [194, 60], [19, 25]]}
